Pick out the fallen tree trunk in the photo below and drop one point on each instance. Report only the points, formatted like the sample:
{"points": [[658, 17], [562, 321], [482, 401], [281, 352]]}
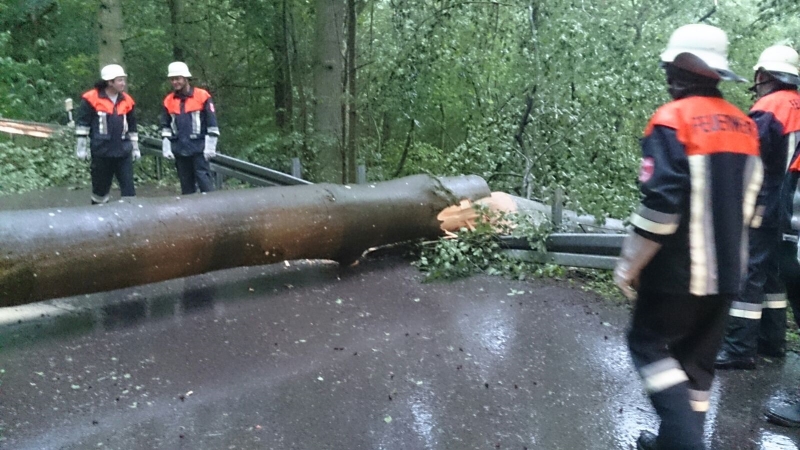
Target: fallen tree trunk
{"points": [[52, 253], [465, 215]]}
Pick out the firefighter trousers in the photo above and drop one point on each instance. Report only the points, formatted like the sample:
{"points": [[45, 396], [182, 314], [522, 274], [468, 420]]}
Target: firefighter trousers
{"points": [[757, 322], [194, 171], [674, 340], [104, 169], [790, 274]]}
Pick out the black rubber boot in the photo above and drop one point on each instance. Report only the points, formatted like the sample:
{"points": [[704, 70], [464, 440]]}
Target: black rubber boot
{"points": [[728, 361], [647, 441], [785, 415]]}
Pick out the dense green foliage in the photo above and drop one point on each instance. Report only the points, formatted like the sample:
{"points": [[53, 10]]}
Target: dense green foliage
{"points": [[23, 168], [530, 95]]}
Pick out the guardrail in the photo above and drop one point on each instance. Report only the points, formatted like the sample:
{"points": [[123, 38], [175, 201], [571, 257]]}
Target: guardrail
{"points": [[589, 250], [227, 166], [26, 128]]}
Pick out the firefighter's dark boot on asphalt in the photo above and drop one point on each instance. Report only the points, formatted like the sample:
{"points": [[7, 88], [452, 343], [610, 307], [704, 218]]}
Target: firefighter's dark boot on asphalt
{"points": [[728, 361], [647, 441], [771, 352], [785, 415]]}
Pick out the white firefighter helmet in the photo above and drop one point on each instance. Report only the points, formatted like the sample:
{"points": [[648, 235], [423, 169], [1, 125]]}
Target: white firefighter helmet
{"points": [[782, 62], [178, 69], [707, 49], [112, 71]]}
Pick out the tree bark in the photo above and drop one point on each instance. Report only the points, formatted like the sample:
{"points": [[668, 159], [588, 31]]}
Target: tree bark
{"points": [[175, 14], [305, 151], [352, 94], [328, 71], [52, 253], [109, 22], [283, 78]]}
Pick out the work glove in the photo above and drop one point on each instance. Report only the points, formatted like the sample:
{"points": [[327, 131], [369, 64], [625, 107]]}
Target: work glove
{"points": [[636, 254], [798, 252], [135, 153], [81, 148], [211, 147], [166, 149]]}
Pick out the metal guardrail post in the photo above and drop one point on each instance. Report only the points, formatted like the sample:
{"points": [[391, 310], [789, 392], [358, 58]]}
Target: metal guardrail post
{"points": [[297, 168], [557, 214], [361, 174], [159, 170]]}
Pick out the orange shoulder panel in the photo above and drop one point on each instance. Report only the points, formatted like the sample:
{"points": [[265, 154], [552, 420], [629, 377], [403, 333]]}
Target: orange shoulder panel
{"points": [[100, 104], [197, 102], [125, 104], [201, 94], [785, 106], [172, 103], [667, 115], [795, 167], [89, 95]]}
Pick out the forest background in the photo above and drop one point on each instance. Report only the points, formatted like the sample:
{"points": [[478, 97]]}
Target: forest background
{"points": [[531, 95]]}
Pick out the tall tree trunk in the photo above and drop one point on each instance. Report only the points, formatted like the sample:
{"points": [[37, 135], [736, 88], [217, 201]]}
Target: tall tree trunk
{"points": [[110, 27], [328, 69], [304, 153], [175, 14], [352, 112], [283, 75]]}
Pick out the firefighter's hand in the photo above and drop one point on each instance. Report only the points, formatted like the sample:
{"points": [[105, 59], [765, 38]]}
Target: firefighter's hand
{"points": [[211, 147], [635, 255], [625, 280], [81, 148], [136, 154], [166, 149]]}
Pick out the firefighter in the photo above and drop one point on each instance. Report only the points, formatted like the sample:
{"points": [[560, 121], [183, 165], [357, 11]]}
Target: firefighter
{"points": [[778, 119], [106, 132], [189, 130], [758, 317], [700, 176]]}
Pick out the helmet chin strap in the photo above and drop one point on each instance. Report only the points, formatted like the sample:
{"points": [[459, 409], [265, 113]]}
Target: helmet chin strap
{"points": [[754, 87], [677, 89]]}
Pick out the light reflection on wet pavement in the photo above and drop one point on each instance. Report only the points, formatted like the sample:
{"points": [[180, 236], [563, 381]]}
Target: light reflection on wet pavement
{"points": [[312, 356]]}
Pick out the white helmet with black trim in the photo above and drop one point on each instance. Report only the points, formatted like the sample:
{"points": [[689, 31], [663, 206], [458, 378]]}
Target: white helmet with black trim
{"points": [[701, 49], [781, 61], [178, 69], [111, 72]]}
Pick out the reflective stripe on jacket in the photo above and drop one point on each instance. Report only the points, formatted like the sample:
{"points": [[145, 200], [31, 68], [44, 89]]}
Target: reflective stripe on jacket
{"points": [[110, 126], [700, 178], [187, 119]]}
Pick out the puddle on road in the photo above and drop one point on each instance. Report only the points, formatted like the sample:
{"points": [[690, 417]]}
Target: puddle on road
{"points": [[772, 441]]}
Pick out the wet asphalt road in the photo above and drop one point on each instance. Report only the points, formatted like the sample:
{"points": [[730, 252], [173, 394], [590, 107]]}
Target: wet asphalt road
{"points": [[311, 356]]}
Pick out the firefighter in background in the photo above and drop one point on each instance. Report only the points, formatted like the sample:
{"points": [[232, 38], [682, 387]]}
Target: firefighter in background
{"points": [[779, 125], [106, 132], [700, 177], [189, 130], [758, 317]]}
